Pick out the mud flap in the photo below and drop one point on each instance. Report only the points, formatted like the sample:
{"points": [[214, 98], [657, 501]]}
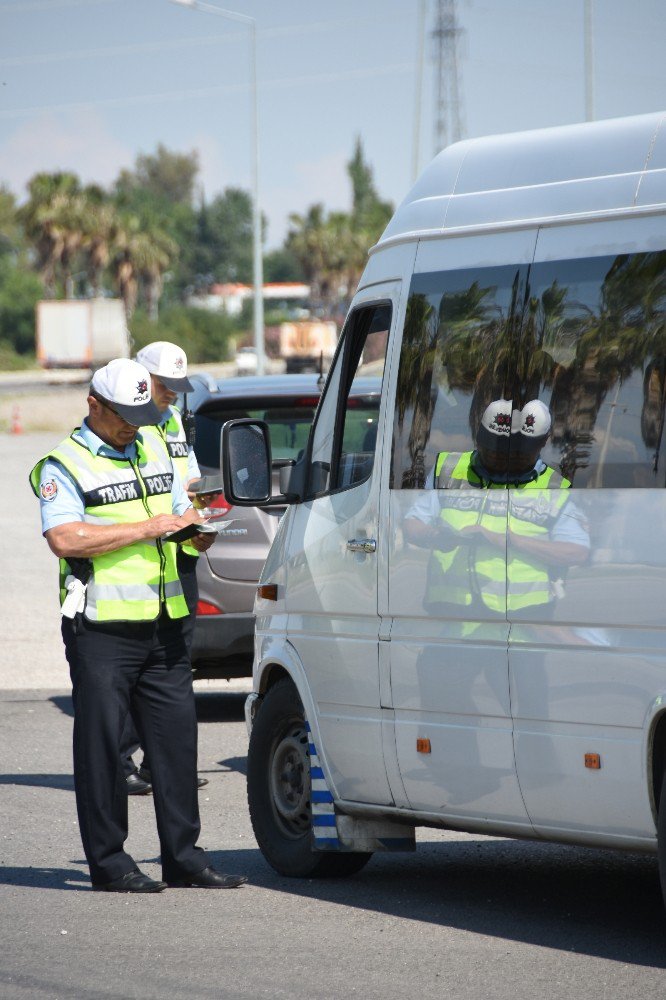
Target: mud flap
{"points": [[333, 831]]}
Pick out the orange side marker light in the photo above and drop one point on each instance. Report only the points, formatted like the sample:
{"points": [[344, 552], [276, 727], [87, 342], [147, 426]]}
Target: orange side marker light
{"points": [[268, 591], [423, 745], [593, 761]]}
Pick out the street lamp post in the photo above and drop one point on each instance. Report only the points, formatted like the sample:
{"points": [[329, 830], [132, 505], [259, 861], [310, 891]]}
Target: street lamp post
{"points": [[257, 259]]}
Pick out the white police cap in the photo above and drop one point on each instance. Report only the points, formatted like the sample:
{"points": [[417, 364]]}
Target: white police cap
{"points": [[168, 362], [125, 385]]}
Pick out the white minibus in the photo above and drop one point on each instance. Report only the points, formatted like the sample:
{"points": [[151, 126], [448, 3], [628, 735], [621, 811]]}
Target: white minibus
{"points": [[462, 619]]}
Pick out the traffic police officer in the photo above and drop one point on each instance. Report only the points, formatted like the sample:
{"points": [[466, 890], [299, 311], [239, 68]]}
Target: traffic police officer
{"points": [[167, 364], [108, 496]]}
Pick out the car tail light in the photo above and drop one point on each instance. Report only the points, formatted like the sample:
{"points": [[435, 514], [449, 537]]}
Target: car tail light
{"points": [[205, 608], [220, 503], [218, 508]]}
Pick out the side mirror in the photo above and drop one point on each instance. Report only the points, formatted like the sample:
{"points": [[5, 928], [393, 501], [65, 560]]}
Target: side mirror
{"points": [[245, 461]]}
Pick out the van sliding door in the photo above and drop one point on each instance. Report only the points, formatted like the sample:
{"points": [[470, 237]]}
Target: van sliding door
{"points": [[449, 687]]}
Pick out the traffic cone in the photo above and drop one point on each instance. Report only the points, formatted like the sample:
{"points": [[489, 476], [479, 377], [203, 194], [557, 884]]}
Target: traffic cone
{"points": [[15, 426]]}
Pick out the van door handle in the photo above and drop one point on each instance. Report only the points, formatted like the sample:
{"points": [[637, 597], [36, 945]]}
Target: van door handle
{"points": [[362, 545]]}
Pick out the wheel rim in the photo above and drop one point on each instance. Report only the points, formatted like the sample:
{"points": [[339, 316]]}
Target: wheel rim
{"points": [[290, 781]]}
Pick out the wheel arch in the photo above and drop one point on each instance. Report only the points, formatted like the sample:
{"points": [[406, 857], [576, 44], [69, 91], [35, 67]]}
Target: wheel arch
{"points": [[656, 760], [282, 661]]}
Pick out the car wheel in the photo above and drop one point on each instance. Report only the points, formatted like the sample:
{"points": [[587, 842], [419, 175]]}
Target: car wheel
{"points": [[278, 791]]}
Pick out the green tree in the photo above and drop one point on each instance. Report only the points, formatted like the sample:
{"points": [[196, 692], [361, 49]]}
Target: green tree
{"points": [[283, 265], [141, 254], [169, 178], [311, 240], [11, 231], [53, 219], [20, 290], [224, 239], [101, 225], [369, 213], [332, 250]]}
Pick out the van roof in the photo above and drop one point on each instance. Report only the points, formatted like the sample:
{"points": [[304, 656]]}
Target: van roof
{"points": [[524, 178]]}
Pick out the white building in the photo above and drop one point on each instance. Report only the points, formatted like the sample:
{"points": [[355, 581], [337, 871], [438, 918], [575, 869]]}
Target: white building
{"points": [[291, 296]]}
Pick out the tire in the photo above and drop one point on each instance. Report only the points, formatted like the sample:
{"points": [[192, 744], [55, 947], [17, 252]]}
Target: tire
{"points": [[661, 836], [278, 791]]}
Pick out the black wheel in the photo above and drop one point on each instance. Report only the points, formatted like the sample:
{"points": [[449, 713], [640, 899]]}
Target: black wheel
{"points": [[661, 836], [278, 791]]}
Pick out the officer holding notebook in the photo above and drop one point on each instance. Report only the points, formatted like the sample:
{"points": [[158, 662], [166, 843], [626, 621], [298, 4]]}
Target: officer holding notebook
{"points": [[108, 497], [167, 365]]}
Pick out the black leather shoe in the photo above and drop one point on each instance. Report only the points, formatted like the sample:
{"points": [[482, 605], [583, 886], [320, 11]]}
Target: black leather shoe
{"points": [[134, 881], [136, 785], [144, 774], [209, 878]]}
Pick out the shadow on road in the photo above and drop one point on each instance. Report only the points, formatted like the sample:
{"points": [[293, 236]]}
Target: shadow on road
{"points": [[221, 706], [46, 878], [605, 904], [238, 764], [65, 782], [212, 706], [64, 703], [590, 902]]}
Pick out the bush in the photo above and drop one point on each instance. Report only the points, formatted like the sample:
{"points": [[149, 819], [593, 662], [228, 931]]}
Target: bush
{"points": [[11, 361], [204, 336], [20, 290]]}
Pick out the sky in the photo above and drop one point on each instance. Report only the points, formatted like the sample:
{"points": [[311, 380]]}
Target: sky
{"points": [[87, 85]]}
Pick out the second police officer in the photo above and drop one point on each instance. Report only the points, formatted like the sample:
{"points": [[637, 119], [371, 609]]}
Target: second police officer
{"points": [[167, 365]]}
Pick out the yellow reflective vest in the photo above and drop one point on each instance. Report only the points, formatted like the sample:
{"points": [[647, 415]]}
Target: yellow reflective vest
{"points": [[135, 582], [173, 435], [477, 569]]}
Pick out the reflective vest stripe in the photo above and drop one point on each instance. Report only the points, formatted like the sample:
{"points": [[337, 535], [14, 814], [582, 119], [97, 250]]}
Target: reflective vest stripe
{"points": [[117, 472], [134, 582]]}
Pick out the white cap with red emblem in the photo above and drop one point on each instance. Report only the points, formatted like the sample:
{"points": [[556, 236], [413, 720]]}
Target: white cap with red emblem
{"points": [[533, 421], [168, 362], [125, 386]]}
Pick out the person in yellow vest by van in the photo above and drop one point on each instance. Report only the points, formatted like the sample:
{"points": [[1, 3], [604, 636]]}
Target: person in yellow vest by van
{"points": [[467, 530], [109, 496], [167, 365]]}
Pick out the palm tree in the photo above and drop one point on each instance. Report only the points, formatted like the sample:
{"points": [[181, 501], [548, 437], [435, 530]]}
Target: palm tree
{"points": [[141, 254], [310, 242], [52, 218], [100, 229]]}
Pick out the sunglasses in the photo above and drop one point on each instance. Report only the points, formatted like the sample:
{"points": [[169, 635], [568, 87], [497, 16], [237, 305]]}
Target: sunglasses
{"points": [[107, 406]]}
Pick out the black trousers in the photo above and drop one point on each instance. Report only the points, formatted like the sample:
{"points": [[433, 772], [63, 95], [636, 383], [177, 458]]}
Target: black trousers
{"points": [[147, 663], [131, 740]]}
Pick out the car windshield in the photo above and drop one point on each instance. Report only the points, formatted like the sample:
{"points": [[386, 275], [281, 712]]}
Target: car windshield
{"points": [[289, 428], [289, 423]]}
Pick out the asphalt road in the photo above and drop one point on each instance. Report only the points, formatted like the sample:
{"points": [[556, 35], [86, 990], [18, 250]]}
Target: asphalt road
{"points": [[465, 917]]}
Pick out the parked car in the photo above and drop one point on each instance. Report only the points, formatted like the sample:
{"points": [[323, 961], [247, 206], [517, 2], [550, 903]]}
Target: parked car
{"points": [[246, 361], [228, 573]]}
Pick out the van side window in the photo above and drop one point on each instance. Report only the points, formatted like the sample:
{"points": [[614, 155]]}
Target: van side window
{"points": [[457, 357], [344, 437], [586, 338]]}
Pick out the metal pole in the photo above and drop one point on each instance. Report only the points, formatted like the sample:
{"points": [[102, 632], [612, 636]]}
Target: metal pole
{"points": [[257, 256], [589, 61], [416, 150], [258, 263]]}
